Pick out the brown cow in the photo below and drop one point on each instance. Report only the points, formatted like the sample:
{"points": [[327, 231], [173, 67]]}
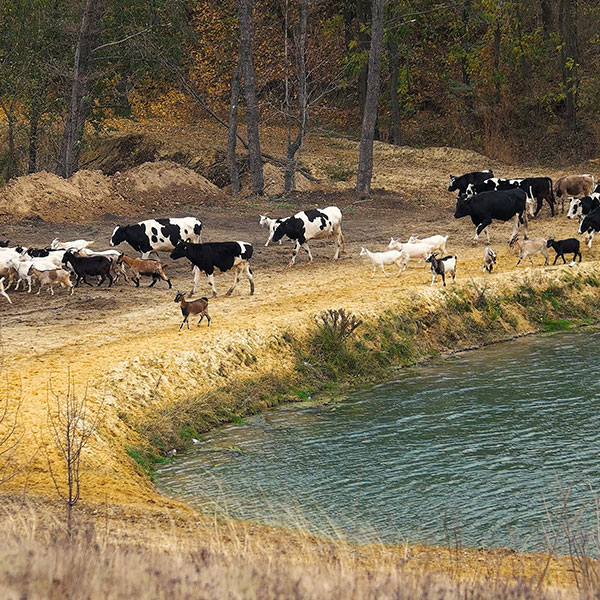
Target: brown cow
{"points": [[572, 185]]}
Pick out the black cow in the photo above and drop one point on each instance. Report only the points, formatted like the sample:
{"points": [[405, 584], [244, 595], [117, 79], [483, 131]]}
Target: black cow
{"points": [[485, 207], [596, 189], [589, 225], [461, 182], [540, 189], [223, 256], [157, 235]]}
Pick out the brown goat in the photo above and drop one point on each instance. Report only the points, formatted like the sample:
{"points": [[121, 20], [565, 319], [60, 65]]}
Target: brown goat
{"points": [[146, 267], [196, 307], [52, 277], [572, 185]]}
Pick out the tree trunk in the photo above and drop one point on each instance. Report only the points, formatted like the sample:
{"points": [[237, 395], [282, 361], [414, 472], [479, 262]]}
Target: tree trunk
{"points": [[234, 174], [394, 67], [569, 59], [11, 167], [464, 63], [497, 60], [68, 158], [252, 116], [365, 160], [34, 122], [291, 162], [364, 18], [547, 18]]}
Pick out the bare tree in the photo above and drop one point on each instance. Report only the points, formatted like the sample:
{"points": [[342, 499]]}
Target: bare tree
{"points": [[71, 426], [569, 54], [294, 146], [252, 117], [10, 437], [68, 158], [234, 174], [365, 160]]}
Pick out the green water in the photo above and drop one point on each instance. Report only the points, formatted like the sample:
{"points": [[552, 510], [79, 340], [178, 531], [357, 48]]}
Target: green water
{"points": [[479, 449]]}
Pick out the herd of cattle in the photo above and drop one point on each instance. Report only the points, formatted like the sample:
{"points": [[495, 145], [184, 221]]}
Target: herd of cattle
{"points": [[481, 196]]}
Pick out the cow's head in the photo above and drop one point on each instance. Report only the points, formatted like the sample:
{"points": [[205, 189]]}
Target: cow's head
{"points": [[452, 185], [574, 208], [118, 236], [463, 206], [180, 250], [280, 231]]}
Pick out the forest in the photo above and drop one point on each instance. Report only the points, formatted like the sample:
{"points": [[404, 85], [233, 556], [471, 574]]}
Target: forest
{"points": [[514, 80]]}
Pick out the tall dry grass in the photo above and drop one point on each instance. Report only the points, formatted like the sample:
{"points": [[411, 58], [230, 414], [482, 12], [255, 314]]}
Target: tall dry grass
{"points": [[108, 557]]}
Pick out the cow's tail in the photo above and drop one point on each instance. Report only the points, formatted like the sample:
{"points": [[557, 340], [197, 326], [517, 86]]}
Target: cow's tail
{"points": [[552, 196]]}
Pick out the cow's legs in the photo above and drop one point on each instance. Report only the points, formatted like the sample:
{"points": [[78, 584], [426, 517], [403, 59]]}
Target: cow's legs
{"points": [[295, 253], [236, 277], [338, 245], [515, 227], [211, 280], [305, 246], [250, 277], [196, 273], [590, 237], [481, 227]]}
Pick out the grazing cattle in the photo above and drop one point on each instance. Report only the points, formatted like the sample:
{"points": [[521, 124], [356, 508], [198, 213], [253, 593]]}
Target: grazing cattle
{"points": [[158, 235], [589, 225], [572, 185], [562, 247], [460, 183], [223, 256], [312, 224], [539, 189], [488, 206], [490, 185], [579, 207]]}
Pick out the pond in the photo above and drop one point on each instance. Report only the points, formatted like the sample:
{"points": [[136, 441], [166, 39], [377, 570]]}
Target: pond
{"points": [[493, 447]]}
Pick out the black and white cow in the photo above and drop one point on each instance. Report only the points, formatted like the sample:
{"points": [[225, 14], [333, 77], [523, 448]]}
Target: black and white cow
{"points": [[461, 182], [495, 205], [596, 189], [224, 256], [157, 235], [589, 225], [312, 224], [579, 207], [493, 184]]}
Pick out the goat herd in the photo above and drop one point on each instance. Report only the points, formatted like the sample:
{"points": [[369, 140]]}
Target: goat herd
{"points": [[481, 196]]}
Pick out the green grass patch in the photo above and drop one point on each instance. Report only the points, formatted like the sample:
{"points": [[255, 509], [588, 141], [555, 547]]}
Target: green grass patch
{"points": [[556, 324]]}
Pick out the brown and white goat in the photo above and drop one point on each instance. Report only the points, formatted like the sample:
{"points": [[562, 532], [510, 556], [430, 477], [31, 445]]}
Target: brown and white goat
{"points": [[196, 307], [145, 267], [528, 248], [52, 277], [489, 259]]}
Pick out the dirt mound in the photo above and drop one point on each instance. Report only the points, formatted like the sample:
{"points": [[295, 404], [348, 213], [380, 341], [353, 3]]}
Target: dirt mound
{"points": [[89, 194]]}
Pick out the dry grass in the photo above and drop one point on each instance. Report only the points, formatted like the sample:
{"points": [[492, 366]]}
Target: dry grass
{"points": [[112, 557]]}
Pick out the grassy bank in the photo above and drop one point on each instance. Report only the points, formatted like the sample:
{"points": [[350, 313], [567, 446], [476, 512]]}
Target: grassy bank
{"points": [[339, 350]]}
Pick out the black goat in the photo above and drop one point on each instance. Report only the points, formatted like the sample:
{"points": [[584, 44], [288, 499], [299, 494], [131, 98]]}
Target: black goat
{"points": [[4, 244], [96, 266], [562, 247]]}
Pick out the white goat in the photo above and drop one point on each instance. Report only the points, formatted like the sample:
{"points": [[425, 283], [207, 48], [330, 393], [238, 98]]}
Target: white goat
{"points": [[390, 257], [489, 259], [435, 242], [22, 268], [528, 248], [73, 245], [3, 291], [272, 224], [414, 250]]}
